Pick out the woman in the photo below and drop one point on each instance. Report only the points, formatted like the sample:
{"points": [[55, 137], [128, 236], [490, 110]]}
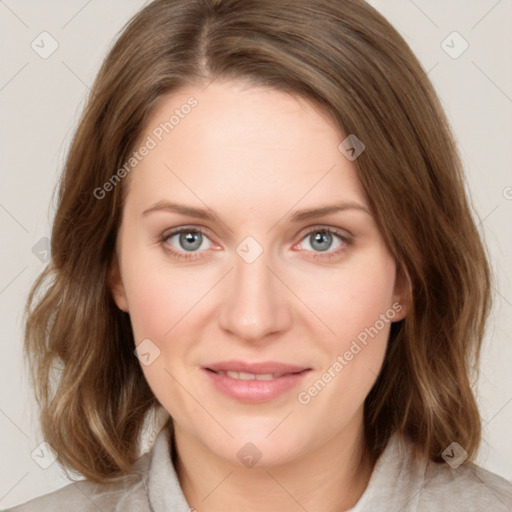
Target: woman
{"points": [[262, 232]]}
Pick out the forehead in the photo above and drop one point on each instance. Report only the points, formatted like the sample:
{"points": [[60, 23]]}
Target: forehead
{"points": [[237, 143]]}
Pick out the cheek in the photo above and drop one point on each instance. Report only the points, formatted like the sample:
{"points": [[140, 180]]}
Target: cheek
{"points": [[353, 356], [356, 303], [159, 296], [149, 309], [351, 299], [161, 303]]}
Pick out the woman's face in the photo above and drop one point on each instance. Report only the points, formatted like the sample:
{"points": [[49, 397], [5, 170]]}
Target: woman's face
{"points": [[295, 304]]}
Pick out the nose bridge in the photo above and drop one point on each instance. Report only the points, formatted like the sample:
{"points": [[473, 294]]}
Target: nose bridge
{"points": [[255, 303]]}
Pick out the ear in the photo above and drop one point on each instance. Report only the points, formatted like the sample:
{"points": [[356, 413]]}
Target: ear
{"points": [[402, 294], [115, 284]]}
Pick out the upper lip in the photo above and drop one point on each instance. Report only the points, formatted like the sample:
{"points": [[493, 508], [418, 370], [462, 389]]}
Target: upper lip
{"points": [[263, 367]]}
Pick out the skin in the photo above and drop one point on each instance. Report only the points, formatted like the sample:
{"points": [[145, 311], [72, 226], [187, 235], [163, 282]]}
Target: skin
{"points": [[254, 156]]}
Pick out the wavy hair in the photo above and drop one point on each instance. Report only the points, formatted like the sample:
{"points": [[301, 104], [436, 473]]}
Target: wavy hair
{"points": [[343, 56]]}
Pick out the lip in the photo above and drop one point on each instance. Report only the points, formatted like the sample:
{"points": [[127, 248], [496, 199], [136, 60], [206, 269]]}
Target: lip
{"points": [[255, 391]]}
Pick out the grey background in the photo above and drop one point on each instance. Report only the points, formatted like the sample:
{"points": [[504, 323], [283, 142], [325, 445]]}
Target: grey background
{"points": [[41, 99]]}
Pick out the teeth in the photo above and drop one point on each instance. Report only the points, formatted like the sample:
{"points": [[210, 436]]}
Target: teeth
{"points": [[251, 376], [266, 376], [246, 376]]}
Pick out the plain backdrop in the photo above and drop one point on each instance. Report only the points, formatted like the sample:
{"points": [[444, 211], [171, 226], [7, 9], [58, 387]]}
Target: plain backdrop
{"points": [[41, 100]]}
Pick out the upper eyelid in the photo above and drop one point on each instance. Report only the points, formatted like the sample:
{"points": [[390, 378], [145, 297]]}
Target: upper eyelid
{"points": [[331, 229]]}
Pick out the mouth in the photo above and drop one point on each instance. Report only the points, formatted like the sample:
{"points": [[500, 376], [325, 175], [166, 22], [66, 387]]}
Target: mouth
{"points": [[254, 382]]}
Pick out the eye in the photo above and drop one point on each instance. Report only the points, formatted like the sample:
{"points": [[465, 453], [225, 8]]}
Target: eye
{"points": [[184, 243], [192, 243], [323, 240]]}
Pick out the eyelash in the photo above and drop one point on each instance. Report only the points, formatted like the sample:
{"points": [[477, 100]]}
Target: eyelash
{"points": [[191, 255]]}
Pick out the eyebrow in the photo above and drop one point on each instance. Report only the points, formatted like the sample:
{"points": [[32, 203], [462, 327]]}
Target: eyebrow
{"points": [[297, 216]]}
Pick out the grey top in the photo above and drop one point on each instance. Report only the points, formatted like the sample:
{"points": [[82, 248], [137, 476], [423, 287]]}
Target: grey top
{"points": [[397, 484]]}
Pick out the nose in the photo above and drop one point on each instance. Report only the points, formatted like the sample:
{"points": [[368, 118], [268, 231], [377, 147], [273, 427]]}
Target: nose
{"points": [[256, 304]]}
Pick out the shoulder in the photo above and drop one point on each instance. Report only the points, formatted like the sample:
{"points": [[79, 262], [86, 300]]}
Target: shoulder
{"points": [[126, 494], [467, 485], [402, 482]]}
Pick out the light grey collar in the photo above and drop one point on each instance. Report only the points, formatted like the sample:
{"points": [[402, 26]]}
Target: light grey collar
{"points": [[165, 494]]}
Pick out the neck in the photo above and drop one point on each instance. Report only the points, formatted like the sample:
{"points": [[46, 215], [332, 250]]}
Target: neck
{"points": [[330, 478]]}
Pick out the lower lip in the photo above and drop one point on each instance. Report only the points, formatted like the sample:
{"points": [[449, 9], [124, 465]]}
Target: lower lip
{"points": [[255, 391]]}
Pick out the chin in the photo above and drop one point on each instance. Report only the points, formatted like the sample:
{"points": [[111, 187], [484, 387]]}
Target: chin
{"points": [[257, 445]]}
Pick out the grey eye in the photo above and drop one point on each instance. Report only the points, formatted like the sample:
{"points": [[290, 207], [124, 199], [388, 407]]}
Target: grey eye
{"points": [[321, 240], [189, 240]]}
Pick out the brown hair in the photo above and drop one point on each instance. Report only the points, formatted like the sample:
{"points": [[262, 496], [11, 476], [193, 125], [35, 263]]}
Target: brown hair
{"points": [[345, 57]]}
